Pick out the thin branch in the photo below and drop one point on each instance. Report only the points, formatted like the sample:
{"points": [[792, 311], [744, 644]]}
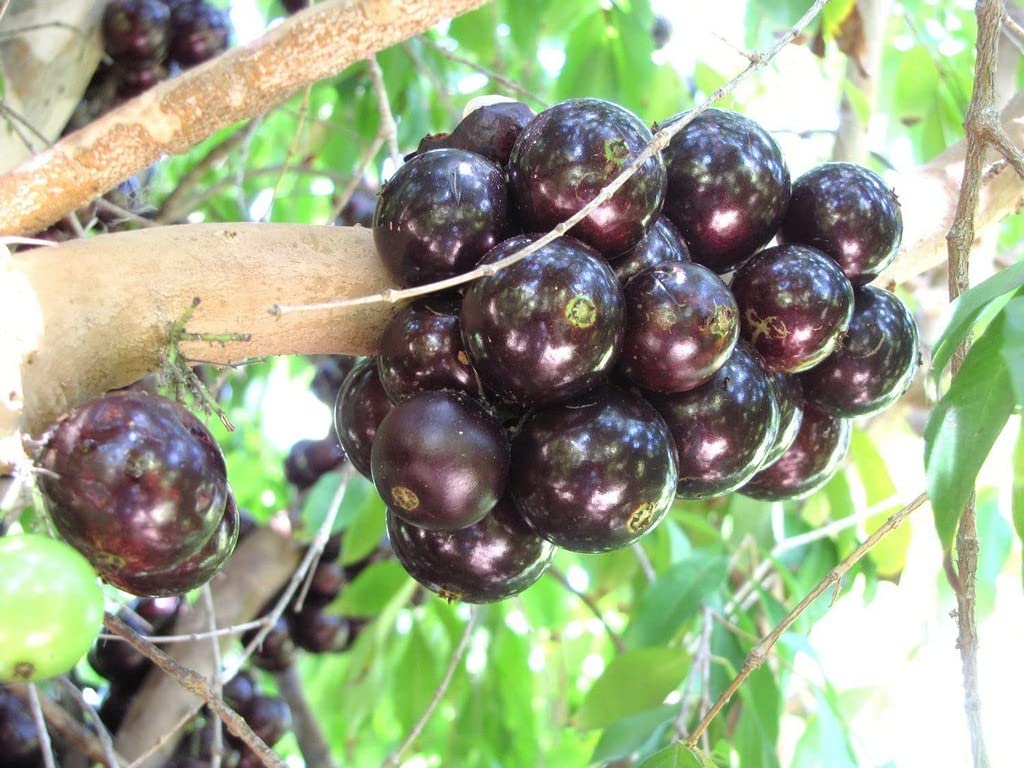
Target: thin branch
{"points": [[45, 746], [216, 680], [645, 562], [110, 755], [759, 653], [314, 748], [656, 145], [357, 177], [588, 601], [701, 668], [67, 727], [236, 629], [460, 650], [292, 148], [1011, 24], [703, 663], [172, 208], [997, 137], [388, 128], [496, 77], [196, 684], [440, 88], [164, 739]]}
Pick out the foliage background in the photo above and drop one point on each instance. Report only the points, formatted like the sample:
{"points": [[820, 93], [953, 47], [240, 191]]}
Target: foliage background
{"points": [[873, 681]]}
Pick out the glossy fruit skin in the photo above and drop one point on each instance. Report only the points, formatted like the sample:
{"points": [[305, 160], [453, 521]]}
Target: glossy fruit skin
{"points": [[795, 304], [318, 632], [54, 594], [494, 559], [723, 429], [361, 406], [439, 214], [358, 211], [160, 612], [326, 582], [728, 187], [849, 213], [269, 717], [277, 651], [19, 739], [876, 362], [440, 461], [564, 157], [489, 131], [330, 375], [681, 326], [199, 32], [190, 573], [309, 460], [810, 462], [596, 474], [546, 328], [421, 349], [120, 464], [239, 692], [294, 6], [661, 244], [136, 31], [789, 395], [131, 81], [119, 662]]}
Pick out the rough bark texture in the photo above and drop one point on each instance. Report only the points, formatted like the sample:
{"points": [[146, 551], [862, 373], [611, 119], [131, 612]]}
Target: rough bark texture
{"points": [[179, 113]]}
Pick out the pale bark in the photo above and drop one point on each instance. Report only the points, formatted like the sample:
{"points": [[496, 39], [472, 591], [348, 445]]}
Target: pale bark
{"points": [[862, 73]]}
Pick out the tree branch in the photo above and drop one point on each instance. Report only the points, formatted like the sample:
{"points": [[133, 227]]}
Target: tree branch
{"points": [[68, 728], [315, 751], [759, 653], [862, 69], [178, 113]]}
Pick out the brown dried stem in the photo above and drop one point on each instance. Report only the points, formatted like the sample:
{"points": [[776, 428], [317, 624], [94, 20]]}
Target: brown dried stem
{"points": [[495, 77], [388, 127]]}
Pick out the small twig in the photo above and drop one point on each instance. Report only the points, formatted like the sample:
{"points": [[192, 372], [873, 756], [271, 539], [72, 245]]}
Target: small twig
{"points": [[292, 148], [124, 213], [216, 680], [656, 145], [164, 739], [460, 650], [588, 601], [357, 178], [510, 85], [645, 562], [314, 748], [703, 663], [388, 128], [44, 735], [243, 162], [1011, 24], [196, 684], [997, 137], [237, 629], [102, 733], [440, 89], [759, 653], [69, 729], [172, 208]]}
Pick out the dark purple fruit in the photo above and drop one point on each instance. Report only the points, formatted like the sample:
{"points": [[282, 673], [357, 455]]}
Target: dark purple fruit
{"points": [[567, 154], [661, 31], [19, 739], [160, 612], [190, 573], [309, 460], [199, 32], [294, 6], [136, 32], [134, 80], [875, 363], [810, 462], [849, 213], [789, 396], [358, 211], [660, 245], [239, 692], [440, 461], [421, 349], [546, 328], [724, 428], [330, 374], [326, 582], [439, 214], [595, 474], [135, 483], [497, 558], [361, 406], [117, 661], [681, 326], [115, 706], [332, 549], [270, 718], [277, 651], [489, 131], [728, 187], [795, 304], [319, 632]]}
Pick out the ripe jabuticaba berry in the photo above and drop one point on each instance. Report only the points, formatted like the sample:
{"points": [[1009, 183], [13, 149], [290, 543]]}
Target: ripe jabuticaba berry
{"points": [[567, 154], [361, 406], [309, 460], [545, 328], [133, 80], [439, 214], [795, 304], [319, 632], [849, 213], [239, 692], [594, 474], [277, 651], [19, 739], [790, 398], [496, 558], [330, 374], [810, 461], [724, 428], [136, 32], [440, 461], [199, 31], [489, 131], [661, 244], [875, 363], [681, 326], [728, 186]]}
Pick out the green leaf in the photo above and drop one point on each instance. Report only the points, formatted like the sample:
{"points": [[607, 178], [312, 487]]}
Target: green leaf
{"points": [[858, 100], [674, 598], [996, 536], [633, 734], [678, 756], [364, 529], [890, 554], [634, 681], [373, 589], [964, 426], [834, 14], [1018, 488], [964, 312], [825, 741], [1013, 345]]}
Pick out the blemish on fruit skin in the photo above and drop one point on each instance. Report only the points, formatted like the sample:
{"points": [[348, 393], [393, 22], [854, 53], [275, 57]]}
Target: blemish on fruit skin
{"points": [[581, 311], [722, 321], [449, 596], [405, 498], [24, 670], [640, 518]]}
